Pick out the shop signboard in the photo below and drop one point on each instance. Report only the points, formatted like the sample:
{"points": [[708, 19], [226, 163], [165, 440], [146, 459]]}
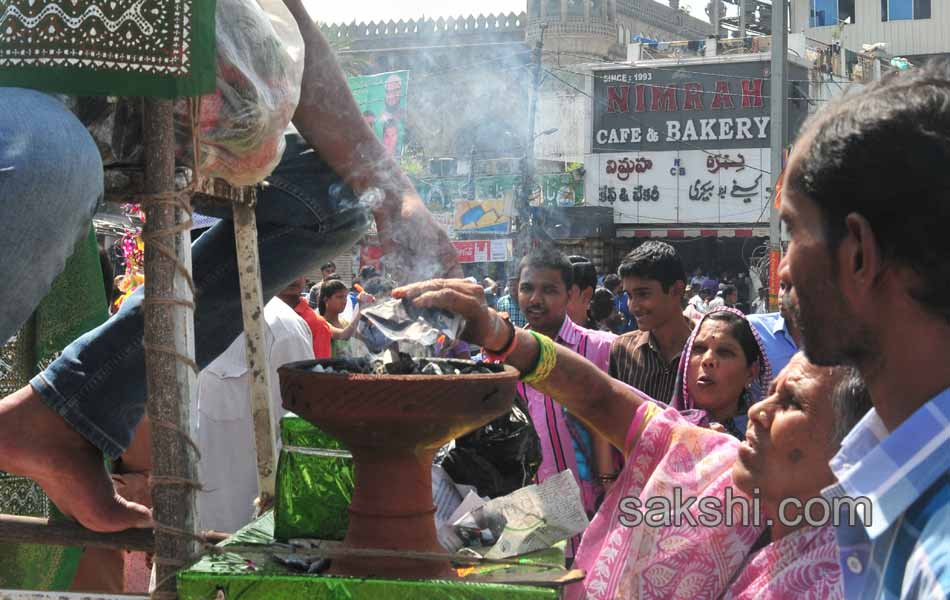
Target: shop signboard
{"points": [[694, 106], [492, 215], [554, 189], [483, 251], [716, 186]]}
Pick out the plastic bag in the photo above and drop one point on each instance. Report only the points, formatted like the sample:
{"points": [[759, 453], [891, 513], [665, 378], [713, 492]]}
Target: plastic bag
{"points": [[260, 60], [497, 458]]}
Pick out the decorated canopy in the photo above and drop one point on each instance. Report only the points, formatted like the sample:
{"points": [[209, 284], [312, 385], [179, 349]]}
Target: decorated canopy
{"points": [[159, 48]]}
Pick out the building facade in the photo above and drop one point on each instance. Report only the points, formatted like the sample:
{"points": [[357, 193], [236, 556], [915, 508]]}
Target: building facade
{"points": [[914, 29], [679, 150]]}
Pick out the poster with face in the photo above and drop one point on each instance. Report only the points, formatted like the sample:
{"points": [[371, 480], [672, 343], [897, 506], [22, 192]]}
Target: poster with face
{"points": [[383, 99]]}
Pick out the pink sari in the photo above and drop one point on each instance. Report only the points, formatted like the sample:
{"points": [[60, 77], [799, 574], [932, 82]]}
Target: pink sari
{"points": [[667, 562], [803, 565]]}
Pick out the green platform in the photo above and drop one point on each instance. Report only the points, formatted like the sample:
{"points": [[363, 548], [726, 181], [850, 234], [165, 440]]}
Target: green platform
{"points": [[253, 574]]}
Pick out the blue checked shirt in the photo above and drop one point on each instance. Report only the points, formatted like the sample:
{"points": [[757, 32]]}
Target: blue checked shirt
{"points": [[509, 304], [905, 551]]}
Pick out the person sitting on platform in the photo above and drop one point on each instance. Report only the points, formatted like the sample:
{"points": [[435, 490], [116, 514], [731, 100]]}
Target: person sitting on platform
{"points": [[332, 176]]}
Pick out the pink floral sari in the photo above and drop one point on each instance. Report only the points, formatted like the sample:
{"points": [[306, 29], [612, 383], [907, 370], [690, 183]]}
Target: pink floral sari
{"points": [[803, 565], [667, 562]]}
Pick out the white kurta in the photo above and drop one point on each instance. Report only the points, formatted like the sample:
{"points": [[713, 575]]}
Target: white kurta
{"points": [[228, 465]]}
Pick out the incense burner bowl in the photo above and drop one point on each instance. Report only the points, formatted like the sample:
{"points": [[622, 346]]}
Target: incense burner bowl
{"points": [[393, 425]]}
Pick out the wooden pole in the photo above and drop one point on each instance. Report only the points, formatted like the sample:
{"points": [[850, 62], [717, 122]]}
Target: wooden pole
{"points": [[15, 529], [252, 307], [169, 336], [37, 530], [42, 595]]}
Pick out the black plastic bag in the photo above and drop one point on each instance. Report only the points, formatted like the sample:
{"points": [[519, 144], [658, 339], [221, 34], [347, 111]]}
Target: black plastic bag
{"points": [[497, 458]]}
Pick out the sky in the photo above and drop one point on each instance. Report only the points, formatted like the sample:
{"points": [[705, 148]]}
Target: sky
{"points": [[369, 10]]}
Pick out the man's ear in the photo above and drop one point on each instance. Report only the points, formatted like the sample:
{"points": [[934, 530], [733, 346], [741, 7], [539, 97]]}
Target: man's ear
{"points": [[573, 291], [678, 289], [859, 256], [587, 295]]}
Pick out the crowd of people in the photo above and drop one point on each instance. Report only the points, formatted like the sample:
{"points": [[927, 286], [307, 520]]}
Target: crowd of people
{"points": [[651, 386]]}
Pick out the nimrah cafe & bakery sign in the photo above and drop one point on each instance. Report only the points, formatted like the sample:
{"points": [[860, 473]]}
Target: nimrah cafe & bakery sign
{"points": [[688, 107]]}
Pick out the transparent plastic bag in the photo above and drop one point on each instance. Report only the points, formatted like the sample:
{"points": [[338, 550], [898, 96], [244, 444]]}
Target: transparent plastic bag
{"points": [[260, 60]]}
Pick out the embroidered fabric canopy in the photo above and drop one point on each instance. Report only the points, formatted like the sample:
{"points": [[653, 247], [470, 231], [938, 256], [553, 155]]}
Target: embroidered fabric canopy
{"points": [[158, 48]]}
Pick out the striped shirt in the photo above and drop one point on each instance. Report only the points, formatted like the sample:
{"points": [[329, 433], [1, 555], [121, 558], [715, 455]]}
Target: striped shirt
{"points": [[904, 551], [563, 437], [635, 359]]}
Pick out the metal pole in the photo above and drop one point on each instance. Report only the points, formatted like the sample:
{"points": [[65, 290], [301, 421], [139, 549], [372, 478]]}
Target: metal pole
{"points": [[743, 16], [169, 355], [779, 106], [523, 245], [252, 307], [715, 17]]}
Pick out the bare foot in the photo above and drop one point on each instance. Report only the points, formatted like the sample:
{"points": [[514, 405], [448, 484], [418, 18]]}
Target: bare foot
{"points": [[37, 443]]}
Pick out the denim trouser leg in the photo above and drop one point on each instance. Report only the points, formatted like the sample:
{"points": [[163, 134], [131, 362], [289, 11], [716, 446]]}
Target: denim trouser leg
{"points": [[50, 182], [304, 217]]}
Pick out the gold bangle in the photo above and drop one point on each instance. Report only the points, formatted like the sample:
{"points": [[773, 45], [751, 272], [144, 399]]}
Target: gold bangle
{"points": [[547, 359]]}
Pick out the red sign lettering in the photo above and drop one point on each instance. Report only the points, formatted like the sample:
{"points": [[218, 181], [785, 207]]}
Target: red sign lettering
{"points": [[751, 93], [664, 99], [723, 97], [618, 98], [693, 96]]}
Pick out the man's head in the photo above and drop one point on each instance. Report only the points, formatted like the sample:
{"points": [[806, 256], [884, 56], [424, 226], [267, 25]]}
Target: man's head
{"points": [[368, 272], [654, 280], [545, 279], [865, 202], [582, 289], [612, 282], [370, 118], [393, 91], [512, 288], [328, 269], [787, 298], [730, 295], [390, 135], [291, 293], [798, 428]]}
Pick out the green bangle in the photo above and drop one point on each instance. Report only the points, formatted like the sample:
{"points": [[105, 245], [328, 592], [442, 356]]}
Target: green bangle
{"points": [[546, 361]]}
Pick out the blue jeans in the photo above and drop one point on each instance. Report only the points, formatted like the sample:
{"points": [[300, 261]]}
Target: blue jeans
{"points": [[305, 216]]}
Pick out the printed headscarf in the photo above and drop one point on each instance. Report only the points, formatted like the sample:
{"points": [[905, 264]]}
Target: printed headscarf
{"points": [[682, 401]]}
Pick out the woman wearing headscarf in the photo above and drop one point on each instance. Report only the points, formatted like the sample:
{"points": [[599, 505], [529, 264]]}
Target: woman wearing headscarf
{"points": [[724, 358], [636, 547]]}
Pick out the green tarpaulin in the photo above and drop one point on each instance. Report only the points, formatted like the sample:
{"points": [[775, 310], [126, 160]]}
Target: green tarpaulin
{"points": [[75, 304]]}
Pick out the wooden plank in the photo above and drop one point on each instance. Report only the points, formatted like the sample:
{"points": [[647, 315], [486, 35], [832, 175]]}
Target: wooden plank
{"points": [[252, 308], [35, 530], [42, 595], [169, 329]]}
